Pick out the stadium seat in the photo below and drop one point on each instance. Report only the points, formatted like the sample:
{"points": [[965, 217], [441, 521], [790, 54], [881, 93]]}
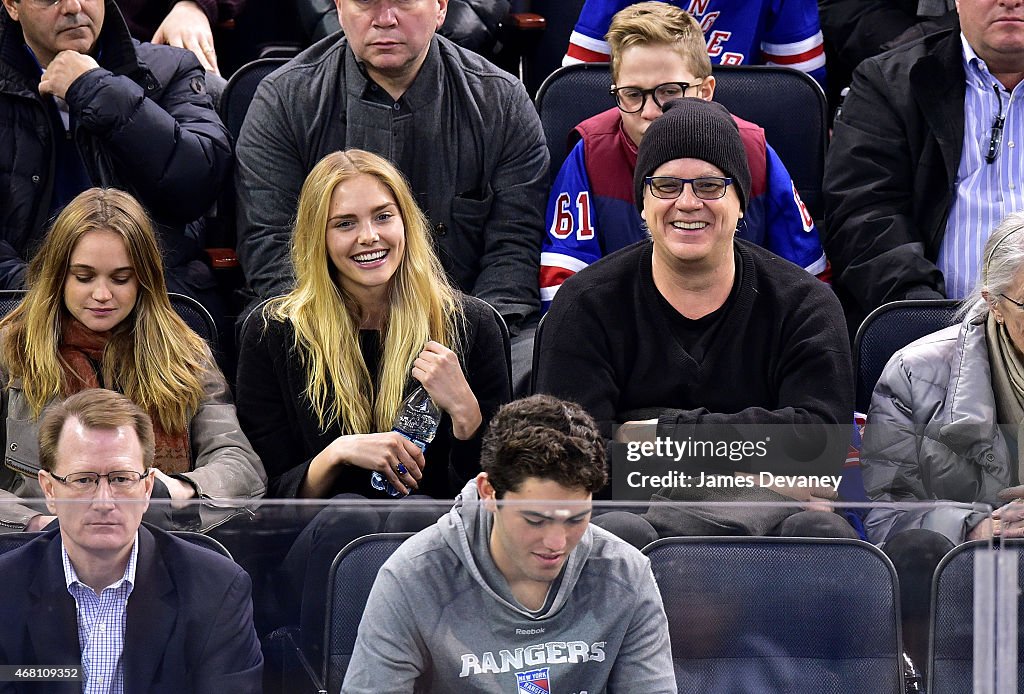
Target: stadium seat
{"points": [[951, 647], [241, 88], [888, 329], [234, 104], [787, 103], [9, 300], [352, 575], [506, 340], [536, 355], [762, 614]]}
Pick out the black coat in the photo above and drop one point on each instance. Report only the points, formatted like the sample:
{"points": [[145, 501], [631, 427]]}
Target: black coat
{"points": [[277, 418], [889, 176], [860, 29]]}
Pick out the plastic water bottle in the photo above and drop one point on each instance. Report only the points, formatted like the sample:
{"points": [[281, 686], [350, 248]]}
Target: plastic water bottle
{"points": [[417, 421]]}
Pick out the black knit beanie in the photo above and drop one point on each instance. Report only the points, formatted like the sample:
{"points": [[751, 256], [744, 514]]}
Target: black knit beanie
{"points": [[692, 128]]}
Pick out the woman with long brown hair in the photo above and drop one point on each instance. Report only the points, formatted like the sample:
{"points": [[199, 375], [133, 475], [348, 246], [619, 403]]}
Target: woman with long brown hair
{"points": [[97, 314]]}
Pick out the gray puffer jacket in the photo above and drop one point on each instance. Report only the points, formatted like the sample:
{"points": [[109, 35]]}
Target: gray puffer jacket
{"points": [[931, 434]]}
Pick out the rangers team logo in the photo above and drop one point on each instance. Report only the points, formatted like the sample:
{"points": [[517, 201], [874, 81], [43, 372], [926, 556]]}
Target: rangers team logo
{"points": [[534, 681]]}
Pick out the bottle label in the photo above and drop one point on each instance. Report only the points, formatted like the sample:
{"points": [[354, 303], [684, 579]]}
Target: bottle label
{"points": [[422, 445]]}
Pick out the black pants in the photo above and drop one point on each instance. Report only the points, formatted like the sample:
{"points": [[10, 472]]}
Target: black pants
{"points": [[915, 554]]}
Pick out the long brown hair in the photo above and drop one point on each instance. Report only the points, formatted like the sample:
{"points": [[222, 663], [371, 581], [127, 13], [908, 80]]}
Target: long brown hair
{"points": [[153, 357]]}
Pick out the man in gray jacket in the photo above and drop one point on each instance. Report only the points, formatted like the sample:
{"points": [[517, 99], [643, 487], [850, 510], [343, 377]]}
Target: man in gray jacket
{"points": [[514, 590], [464, 133]]}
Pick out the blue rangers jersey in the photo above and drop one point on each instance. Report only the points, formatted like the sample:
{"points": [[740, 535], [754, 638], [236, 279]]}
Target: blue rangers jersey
{"points": [[591, 211]]}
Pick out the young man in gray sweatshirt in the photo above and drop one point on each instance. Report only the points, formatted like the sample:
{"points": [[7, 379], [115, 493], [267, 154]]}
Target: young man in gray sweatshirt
{"points": [[513, 591]]}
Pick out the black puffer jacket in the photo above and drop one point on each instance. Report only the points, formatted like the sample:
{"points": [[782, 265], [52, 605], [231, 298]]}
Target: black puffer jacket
{"points": [[143, 123], [472, 24]]}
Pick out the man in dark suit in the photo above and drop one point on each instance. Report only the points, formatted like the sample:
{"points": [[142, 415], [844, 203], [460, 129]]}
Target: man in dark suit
{"points": [[127, 607]]}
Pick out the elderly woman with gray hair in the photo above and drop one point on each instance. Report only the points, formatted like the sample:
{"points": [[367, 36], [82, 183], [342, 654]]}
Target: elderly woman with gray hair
{"points": [[945, 416], [945, 423]]}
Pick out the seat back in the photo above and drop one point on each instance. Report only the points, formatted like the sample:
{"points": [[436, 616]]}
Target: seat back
{"points": [[253, 314], [951, 635], [568, 97], [560, 20], [791, 108], [234, 104], [506, 340], [9, 299], [788, 104], [204, 541], [536, 355], [352, 575], [196, 317], [238, 92], [779, 614], [888, 329]]}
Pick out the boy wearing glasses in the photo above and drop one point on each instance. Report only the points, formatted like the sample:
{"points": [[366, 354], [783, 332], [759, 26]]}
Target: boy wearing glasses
{"points": [[657, 55], [75, 596], [514, 590], [696, 328]]}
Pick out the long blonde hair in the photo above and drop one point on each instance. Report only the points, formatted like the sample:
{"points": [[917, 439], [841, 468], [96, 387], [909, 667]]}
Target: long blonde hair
{"points": [[422, 304], [152, 357]]}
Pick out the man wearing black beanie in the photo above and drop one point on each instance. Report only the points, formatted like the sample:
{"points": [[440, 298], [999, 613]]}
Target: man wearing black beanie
{"points": [[695, 330]]}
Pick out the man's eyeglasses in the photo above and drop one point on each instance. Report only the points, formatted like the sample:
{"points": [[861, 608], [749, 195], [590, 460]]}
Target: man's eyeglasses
{"points": [[705, 187], [87, 483], [632, 99], [43, 4]]}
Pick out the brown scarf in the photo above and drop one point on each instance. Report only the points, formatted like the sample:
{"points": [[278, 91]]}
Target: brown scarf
{"points": [[81, 352], [1007, 382]]}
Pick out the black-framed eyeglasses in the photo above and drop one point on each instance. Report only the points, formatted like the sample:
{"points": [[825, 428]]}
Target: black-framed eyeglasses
{"points": [[1016, 303], [632, 99], [705, 187], [86, 483]]}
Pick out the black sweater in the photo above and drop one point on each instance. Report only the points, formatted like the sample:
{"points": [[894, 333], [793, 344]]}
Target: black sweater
{"points": [[778, 354], [279, 420]]}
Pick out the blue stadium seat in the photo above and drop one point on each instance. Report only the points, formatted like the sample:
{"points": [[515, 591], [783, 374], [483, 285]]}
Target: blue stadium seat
{"points": [[787, 103], [888, 329], [951, 647], [763, 614], [352, 575]]}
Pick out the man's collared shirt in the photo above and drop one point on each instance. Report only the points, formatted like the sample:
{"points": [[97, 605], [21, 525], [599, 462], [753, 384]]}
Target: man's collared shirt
{"points": [[984, 192], [101, 625]]}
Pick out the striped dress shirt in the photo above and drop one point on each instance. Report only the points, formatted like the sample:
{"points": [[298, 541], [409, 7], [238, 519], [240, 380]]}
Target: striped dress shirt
{"points": [[101, 625], [985, 191]]}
